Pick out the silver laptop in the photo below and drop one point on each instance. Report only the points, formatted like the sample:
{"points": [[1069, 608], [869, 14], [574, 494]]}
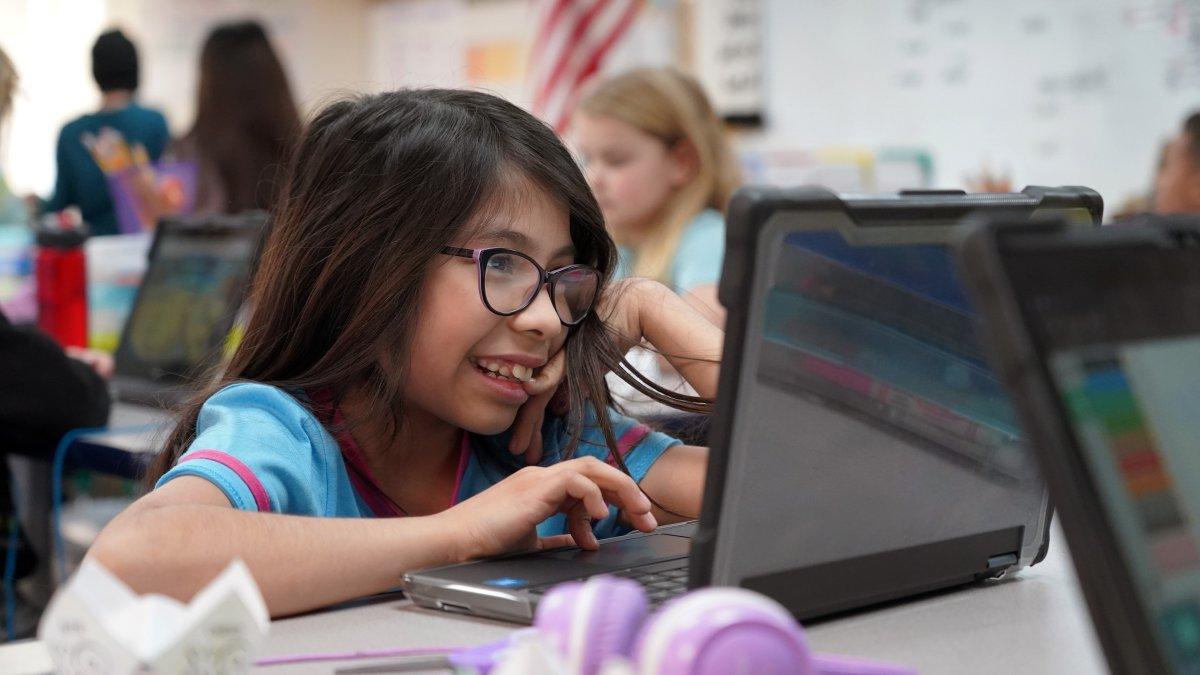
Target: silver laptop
{"points": [[861, 451]]}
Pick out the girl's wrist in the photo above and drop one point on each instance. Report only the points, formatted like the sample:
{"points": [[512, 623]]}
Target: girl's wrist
{"points": [[648, 297], [445, 543]]}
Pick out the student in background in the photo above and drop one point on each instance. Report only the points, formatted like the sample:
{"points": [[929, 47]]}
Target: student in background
{"points": [[11, 208], [80, 181], [246, 120], [429, 280], [1177, 188], [44, 391], [658, 160]]}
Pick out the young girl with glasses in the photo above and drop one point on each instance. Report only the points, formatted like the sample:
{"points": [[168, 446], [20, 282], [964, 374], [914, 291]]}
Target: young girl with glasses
{"points": [[422, 379]]}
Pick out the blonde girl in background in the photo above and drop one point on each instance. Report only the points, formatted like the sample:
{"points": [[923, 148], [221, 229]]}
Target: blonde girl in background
{"points": [[657, 157], [11, 208]]}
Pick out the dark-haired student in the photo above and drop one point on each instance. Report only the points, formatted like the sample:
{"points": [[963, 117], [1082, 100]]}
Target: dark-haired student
{"points": [[246, 121], [80, 181], [44, 393]]}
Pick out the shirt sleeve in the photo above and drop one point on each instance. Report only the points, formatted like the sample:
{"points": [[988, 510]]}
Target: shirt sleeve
{"points": [[43, 392], [638, 445], [701, 252], [261, 448]]}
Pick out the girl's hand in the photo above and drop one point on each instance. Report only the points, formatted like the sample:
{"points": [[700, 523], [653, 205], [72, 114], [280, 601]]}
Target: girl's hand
{"points": [[527, 427], [505, 517], [621, 308], [101, 362], [641, 309]]}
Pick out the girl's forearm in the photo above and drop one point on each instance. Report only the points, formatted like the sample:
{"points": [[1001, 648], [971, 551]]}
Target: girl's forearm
{"points": [[300, 563], [689, 341]]}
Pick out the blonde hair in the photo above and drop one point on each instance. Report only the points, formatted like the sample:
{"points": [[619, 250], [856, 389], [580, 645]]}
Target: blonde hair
{"points": [[8, 84], [672, 107]]}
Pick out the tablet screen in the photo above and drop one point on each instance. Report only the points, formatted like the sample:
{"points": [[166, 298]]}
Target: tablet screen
{"points": [[187, 302], [1121, 329]]}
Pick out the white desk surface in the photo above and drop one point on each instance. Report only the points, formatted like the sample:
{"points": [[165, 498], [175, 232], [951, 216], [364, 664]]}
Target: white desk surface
{"points": [[1032, 622]]}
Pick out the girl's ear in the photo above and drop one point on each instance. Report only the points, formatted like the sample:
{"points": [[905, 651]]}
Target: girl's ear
{"points": [[685, 163]]}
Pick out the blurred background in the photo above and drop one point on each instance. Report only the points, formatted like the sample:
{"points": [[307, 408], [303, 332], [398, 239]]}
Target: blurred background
{"points": [[863, 95], [201, 99]]}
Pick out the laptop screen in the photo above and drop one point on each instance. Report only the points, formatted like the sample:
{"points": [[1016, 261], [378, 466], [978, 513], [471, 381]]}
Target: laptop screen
{"points": [[886, 330], [1121, 330], [189, 296], [878, 432]]}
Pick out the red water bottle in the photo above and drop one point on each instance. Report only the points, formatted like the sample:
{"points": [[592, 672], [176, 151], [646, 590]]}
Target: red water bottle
{"points": [[61, 278]]}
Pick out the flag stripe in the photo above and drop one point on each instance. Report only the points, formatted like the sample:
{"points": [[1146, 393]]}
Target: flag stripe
{"points": [[567, 55], [593, 64], [574, 37]]}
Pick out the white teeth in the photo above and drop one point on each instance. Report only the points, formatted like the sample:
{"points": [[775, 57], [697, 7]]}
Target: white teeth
{"points": [[516, 371]]}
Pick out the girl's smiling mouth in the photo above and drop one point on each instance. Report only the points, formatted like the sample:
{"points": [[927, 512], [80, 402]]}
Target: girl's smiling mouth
{"points": [[505, 387], [502, 368]]}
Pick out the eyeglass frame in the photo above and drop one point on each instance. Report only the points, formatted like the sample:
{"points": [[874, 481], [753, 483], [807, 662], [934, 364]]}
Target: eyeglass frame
{"points": [[482, 255]]}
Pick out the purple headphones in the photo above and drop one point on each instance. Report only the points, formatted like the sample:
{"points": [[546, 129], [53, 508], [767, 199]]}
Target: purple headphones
{"points": [[706, 632]]}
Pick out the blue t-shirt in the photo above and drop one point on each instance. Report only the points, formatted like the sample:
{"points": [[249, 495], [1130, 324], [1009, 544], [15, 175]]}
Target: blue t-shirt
{"points": [[267, 451], [80, 181], [699, 255]]}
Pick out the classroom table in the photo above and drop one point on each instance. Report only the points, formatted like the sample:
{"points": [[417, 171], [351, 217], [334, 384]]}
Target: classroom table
{"points": [[1031, 622]]}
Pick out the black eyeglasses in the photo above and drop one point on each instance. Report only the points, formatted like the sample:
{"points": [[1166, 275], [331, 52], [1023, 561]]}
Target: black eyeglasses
{"points": [[510, 280]]}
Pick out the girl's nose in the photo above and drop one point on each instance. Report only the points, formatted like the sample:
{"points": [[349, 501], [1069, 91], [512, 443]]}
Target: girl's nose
{"points": [[540, 316]]}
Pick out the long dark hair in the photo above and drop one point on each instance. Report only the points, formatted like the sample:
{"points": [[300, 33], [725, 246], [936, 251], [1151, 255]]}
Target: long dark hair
{"points": [[246, 118], [378, 185]]}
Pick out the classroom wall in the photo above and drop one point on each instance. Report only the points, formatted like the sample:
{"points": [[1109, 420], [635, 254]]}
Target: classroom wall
{"points": [[322, 44], [1074, 91], [47, 40], [1070, 91]]}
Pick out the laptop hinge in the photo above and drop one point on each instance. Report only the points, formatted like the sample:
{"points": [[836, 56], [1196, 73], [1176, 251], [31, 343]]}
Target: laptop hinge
{"points": [[1001, 561]]}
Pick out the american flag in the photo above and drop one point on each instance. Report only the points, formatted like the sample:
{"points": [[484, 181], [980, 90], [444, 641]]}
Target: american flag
{"points": [[573, 38]]}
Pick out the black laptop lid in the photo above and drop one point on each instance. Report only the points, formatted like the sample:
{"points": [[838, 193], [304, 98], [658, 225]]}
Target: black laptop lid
{"points": [[862, 448], [188, 299], [1114, 316]]}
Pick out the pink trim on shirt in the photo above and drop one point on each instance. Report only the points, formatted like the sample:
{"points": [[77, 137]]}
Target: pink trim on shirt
{"points": [[629, 440], [262, 501], [357, 470], [360, 474], [464, 458]]}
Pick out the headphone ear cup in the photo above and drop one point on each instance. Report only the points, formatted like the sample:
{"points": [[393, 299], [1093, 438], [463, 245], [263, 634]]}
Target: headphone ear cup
{"points": [[723, 630], [589, 622], [554, 615]]}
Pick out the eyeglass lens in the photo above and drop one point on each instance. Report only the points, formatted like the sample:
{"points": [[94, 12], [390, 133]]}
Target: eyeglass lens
{"points": [[510, 282]]}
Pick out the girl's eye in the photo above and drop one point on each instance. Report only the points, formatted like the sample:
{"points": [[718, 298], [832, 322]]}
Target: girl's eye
{"points": [[500, 263], [616, 161]]}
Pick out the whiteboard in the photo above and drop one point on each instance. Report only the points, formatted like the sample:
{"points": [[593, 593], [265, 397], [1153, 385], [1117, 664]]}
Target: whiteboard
{"points": [[1054, 92]]}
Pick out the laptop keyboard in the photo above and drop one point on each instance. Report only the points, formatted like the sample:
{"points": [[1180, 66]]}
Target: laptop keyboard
{"points": [[662, 581], [660, 586]]}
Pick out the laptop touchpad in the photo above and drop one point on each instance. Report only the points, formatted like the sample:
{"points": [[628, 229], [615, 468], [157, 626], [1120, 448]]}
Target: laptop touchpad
{"points": [[628, 552], [554, 566]]}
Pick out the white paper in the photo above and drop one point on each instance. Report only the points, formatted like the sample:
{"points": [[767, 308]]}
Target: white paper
{"points": [[97, 624], [530, 654]]}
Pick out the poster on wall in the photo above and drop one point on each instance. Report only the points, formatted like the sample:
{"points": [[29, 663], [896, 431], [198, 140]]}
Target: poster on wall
{"points": [[729, 58]]}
